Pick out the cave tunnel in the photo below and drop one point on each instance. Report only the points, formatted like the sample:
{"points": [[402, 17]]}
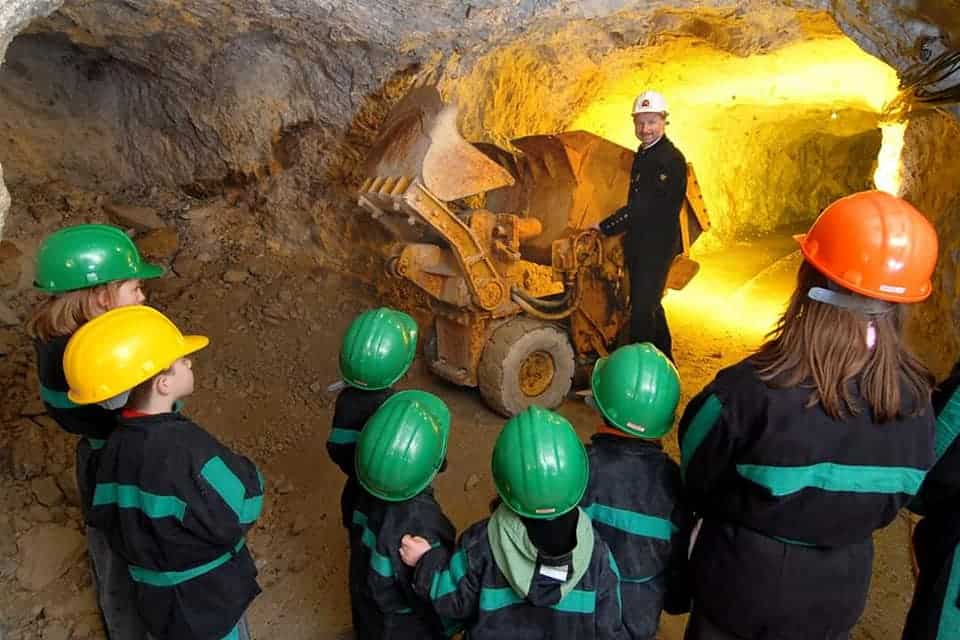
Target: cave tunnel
{"points": [[231, 138]]}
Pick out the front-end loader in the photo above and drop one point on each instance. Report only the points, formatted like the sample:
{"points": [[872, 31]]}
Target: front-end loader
{"points": [[521, 289]]}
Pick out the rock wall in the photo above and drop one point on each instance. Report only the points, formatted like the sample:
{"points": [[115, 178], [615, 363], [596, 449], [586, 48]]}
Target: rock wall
{"points": [[931, 175], [196, 94], [280, 99]]}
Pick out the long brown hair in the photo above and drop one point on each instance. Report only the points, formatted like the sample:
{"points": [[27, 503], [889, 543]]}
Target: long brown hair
{"points": [[824, 347], [63, 314]]}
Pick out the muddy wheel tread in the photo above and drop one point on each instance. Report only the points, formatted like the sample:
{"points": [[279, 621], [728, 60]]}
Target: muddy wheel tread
{"points": [[491, 374]]}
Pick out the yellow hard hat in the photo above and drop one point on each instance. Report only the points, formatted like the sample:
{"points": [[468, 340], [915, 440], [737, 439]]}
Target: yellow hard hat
{"points": [[118, 350]]}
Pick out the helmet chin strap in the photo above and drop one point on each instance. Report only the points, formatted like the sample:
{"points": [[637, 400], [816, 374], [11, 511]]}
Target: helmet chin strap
{"points": [[869, 307], [850, 301]]}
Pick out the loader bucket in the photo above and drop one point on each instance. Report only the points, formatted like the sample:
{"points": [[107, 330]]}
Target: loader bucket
{"points": [[420, 140], [568, 181]]}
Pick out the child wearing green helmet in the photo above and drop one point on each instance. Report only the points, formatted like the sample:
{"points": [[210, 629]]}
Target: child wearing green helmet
{"points": [[401, 449], [535, 569], [377, 350], [634, 493], [88, 270]]}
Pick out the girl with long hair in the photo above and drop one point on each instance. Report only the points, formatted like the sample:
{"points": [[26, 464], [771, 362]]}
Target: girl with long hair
{"points": [[793, 457]]}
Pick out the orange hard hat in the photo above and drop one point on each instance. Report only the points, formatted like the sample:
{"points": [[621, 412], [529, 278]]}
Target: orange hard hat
{"points": [[875, 244]]}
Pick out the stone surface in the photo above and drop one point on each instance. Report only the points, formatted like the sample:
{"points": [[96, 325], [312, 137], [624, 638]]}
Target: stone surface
{"points": [[159, 244], [141, 219], [9, 339], [46, 554], [67, 481], [930, 184], [56, 631], [205, 97], [10, 266], [84, 602], [8, 536], [8, 317], [29, 452], [46, 491], [235, 276]]}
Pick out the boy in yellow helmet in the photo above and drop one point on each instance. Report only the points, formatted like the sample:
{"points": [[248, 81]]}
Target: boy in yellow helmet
{"points": [[175, 503]]}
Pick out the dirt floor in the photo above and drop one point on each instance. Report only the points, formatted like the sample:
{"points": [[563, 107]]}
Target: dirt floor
{"points": [[275, 322]]}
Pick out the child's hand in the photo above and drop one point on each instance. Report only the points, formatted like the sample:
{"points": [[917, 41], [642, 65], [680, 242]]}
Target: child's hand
{"points": [[412, 549]]}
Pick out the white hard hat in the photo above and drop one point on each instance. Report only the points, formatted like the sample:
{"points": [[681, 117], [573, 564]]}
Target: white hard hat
{"points": [[650, 102]]}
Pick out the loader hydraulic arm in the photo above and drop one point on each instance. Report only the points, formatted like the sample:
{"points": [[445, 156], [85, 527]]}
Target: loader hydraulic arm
{"points": [[486, 286]]}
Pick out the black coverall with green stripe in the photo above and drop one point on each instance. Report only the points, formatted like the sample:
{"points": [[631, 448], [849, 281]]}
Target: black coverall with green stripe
{"points": [[790, 498], [634, 500], [382, 599], [470, 588], [176, 504], [935, 612], [351, 411]]}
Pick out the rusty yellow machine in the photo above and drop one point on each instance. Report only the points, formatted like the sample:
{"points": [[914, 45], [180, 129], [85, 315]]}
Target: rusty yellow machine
{"points": [[522, 290]]}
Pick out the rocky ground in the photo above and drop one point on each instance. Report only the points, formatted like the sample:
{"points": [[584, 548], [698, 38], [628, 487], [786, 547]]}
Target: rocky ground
{"points": [[275, 320]]}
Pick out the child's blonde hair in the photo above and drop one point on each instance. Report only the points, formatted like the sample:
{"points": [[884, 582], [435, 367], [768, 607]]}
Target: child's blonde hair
{"points": [[63, 314]]}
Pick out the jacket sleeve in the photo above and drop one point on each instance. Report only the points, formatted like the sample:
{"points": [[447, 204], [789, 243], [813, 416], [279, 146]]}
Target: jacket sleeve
{"points": [[342, 441], [707, 447], [230, 490], [450, 582], [349, 417], [89, 421], [644, 206], [609, 614], [427, 520], [941, 486]]}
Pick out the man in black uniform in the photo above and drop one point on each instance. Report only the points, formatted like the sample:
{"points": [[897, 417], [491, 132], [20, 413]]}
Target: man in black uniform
{"points": [[651, 220]]}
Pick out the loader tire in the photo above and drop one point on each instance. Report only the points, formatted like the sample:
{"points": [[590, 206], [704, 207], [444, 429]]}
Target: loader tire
{"points": [[526, 362]]}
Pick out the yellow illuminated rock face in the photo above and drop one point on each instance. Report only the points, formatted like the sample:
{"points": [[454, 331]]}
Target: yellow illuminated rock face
{"points": [[775, 131], [930, 175]]}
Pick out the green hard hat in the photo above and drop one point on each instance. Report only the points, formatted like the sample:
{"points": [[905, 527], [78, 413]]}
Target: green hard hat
{"points": [[403, 445], [637, 389], [539, 465], [378, 348], [88, 255]]}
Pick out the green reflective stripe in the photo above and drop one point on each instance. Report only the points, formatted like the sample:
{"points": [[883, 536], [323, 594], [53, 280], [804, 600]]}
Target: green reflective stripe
{"points": [[631, 522], [96, 444], [226, 483], [494, 599], [403, 612], [378, 562], [830, 476], [233, 635], [616, 571], [948, 425], [576, 601], [706, 418], [128, 496], [949, 628], [252, 508], [343, 436], [57, 399], [446, 581], [637, 580], [797, 543], [173, 578]]}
